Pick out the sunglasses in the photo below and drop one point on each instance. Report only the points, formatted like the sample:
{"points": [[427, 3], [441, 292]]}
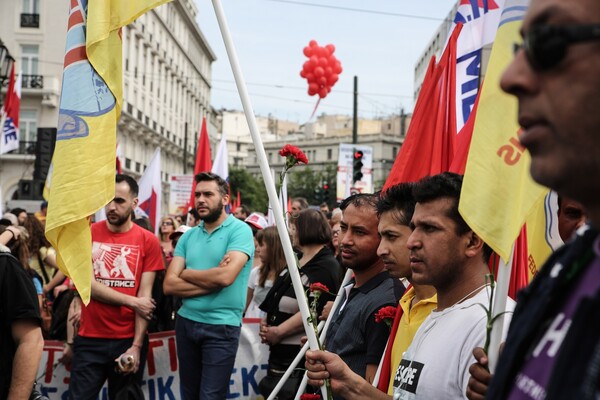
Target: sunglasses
{"points": [[546, 45], [167, 223]]}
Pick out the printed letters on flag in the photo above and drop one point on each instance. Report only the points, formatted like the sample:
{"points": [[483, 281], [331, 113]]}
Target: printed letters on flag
{"points": [[83, 165]]}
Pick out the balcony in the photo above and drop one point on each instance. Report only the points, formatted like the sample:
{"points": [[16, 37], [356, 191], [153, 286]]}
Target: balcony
{"points": [[33, 82], [24, 148], [30, 20]]}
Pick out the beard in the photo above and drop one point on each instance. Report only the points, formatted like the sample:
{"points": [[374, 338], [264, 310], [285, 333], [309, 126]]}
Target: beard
{"points": [[118, 220], [213, 214]]}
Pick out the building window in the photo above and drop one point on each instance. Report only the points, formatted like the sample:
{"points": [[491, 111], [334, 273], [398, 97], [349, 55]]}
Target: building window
{"points": [[30, 59], [329, 154], [30, 15], [28, 125], [394, 152]]}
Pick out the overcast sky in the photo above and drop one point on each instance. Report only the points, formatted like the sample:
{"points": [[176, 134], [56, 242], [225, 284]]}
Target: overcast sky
{"points": [[380, 44]]}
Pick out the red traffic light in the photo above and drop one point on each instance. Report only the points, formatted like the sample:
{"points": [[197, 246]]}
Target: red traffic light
{"points": [[358, 155], [325, 187]]}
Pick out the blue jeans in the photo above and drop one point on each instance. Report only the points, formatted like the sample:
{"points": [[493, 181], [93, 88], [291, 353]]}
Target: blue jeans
{"points": [[94, 363], [206, 356]]}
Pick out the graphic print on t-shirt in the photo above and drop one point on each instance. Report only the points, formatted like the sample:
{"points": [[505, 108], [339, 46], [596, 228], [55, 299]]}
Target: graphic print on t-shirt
{"points": [[115, 264], [407, 375]]}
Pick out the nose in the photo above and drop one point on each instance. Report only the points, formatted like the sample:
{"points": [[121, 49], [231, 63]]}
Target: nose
{"points": [[382, 249], [413, 241], [519, 77]]}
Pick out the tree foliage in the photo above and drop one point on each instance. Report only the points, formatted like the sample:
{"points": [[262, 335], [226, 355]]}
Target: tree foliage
{"points": [[252, 190]]}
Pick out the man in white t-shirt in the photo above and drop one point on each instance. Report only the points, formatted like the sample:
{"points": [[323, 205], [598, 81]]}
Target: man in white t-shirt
{"points": [[446, 254]]}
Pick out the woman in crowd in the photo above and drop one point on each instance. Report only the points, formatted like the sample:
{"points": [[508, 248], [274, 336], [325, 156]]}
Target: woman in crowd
{"points": [[272, 262], [42, 257], [168, 225], [282, 328]]}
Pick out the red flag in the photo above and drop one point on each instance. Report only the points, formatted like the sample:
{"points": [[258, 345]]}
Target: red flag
{"points": [[429, 145], [9, 115], [203, 158], [150, 192], [463, 142]]}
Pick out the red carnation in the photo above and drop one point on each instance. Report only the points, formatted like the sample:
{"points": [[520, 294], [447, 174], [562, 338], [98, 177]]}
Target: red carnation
{"points": [[309, 396], [293, 154], [318, 287], [386, 314]]}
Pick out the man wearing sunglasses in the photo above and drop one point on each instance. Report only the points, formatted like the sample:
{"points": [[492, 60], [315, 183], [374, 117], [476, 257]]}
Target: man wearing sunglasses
{"points": [[553, 346]]}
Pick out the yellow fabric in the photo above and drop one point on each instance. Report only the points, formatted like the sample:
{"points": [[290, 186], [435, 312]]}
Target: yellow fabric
{"points": [[82, 177], [537, 244], [498, 192], [411, 320]]}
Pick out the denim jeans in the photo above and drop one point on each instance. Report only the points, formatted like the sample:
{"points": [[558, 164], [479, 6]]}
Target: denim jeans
{"points": [[94, 363], [206, 356]]}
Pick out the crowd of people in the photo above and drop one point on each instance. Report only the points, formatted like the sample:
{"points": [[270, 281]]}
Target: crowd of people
{"points": [[407, 248]]}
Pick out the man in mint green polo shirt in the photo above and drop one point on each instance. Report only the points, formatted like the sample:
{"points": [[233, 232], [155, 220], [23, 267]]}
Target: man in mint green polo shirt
{"points": [[210, 271]]}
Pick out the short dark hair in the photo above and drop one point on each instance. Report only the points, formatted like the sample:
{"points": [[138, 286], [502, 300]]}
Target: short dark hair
{"points": [[222, 185], [312, 227], [245, 209], [398, 199], [361, 200], [16, 211], [133, 186], [446, 185]]}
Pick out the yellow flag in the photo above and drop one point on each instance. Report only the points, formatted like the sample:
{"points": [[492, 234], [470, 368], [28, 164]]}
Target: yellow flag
{"points": [[83, 166], [498, 193]]}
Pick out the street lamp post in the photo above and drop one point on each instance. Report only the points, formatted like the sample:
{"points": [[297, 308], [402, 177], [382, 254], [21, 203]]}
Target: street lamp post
{"points": [[6, 62]]}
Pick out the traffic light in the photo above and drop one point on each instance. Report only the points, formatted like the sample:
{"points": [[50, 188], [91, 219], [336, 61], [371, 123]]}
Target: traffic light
{"points": [[357, 165], [326, 192], [318, 195]]}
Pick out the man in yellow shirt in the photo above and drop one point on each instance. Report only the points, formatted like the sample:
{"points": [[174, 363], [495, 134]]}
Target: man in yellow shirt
{"points": [[395, 209]]}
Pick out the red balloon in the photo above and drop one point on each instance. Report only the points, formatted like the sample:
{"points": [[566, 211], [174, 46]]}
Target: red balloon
{"points": [[328, 71], [323, 62], [310, 77], [328, 89], [313, 87], [322, 81], [319, 72], [323, 93], [308, 51], [330, 48], [332, 79], [303, 74], [311, 93], [322, 68], [313, 43], [337, 68]]}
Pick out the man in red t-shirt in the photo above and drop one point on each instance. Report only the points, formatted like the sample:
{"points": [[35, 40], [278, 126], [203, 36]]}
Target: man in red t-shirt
{"points": [[125, 259]]}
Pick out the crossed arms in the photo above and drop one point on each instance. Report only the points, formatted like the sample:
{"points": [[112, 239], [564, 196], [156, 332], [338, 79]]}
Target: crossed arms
{"points": [[183, 282]]}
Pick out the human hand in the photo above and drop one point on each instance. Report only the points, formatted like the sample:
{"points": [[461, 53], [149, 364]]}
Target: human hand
{"points": [[67, 355], [321, 365], [59, 289], [326, 310], [129, 361], [144, 307], [480, 376], [226, 260], [271, 335]]}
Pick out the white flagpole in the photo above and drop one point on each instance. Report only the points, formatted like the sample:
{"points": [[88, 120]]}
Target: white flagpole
{"points": [[322, 328], [290, 257], [499, 306]]}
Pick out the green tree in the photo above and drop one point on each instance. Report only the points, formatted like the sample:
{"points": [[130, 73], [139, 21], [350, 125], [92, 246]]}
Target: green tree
{"points": [[304, 182], [252, 190]]}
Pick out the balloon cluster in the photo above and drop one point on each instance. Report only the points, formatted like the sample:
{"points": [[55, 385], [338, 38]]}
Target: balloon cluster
{"points": [[322, 69]]}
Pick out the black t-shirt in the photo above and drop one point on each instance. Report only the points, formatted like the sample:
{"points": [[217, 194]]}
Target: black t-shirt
{"points": [[18, 301]]}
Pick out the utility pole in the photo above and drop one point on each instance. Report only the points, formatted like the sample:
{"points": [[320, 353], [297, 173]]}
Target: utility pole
{"points": [[355, 113]]}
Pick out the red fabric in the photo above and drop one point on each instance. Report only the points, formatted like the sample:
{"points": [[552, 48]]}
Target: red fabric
{"points": [[519, 277], [12, 101], [385, 373], [203, 158], [141, 252], [429, 145], [463, 142]]}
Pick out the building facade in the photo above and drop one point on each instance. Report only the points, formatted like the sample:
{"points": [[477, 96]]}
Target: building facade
{"points": [[166, 85]]}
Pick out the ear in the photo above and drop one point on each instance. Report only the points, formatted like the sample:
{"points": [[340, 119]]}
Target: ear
{"points": [[474, 245], [225, 199], [134, 203]]}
